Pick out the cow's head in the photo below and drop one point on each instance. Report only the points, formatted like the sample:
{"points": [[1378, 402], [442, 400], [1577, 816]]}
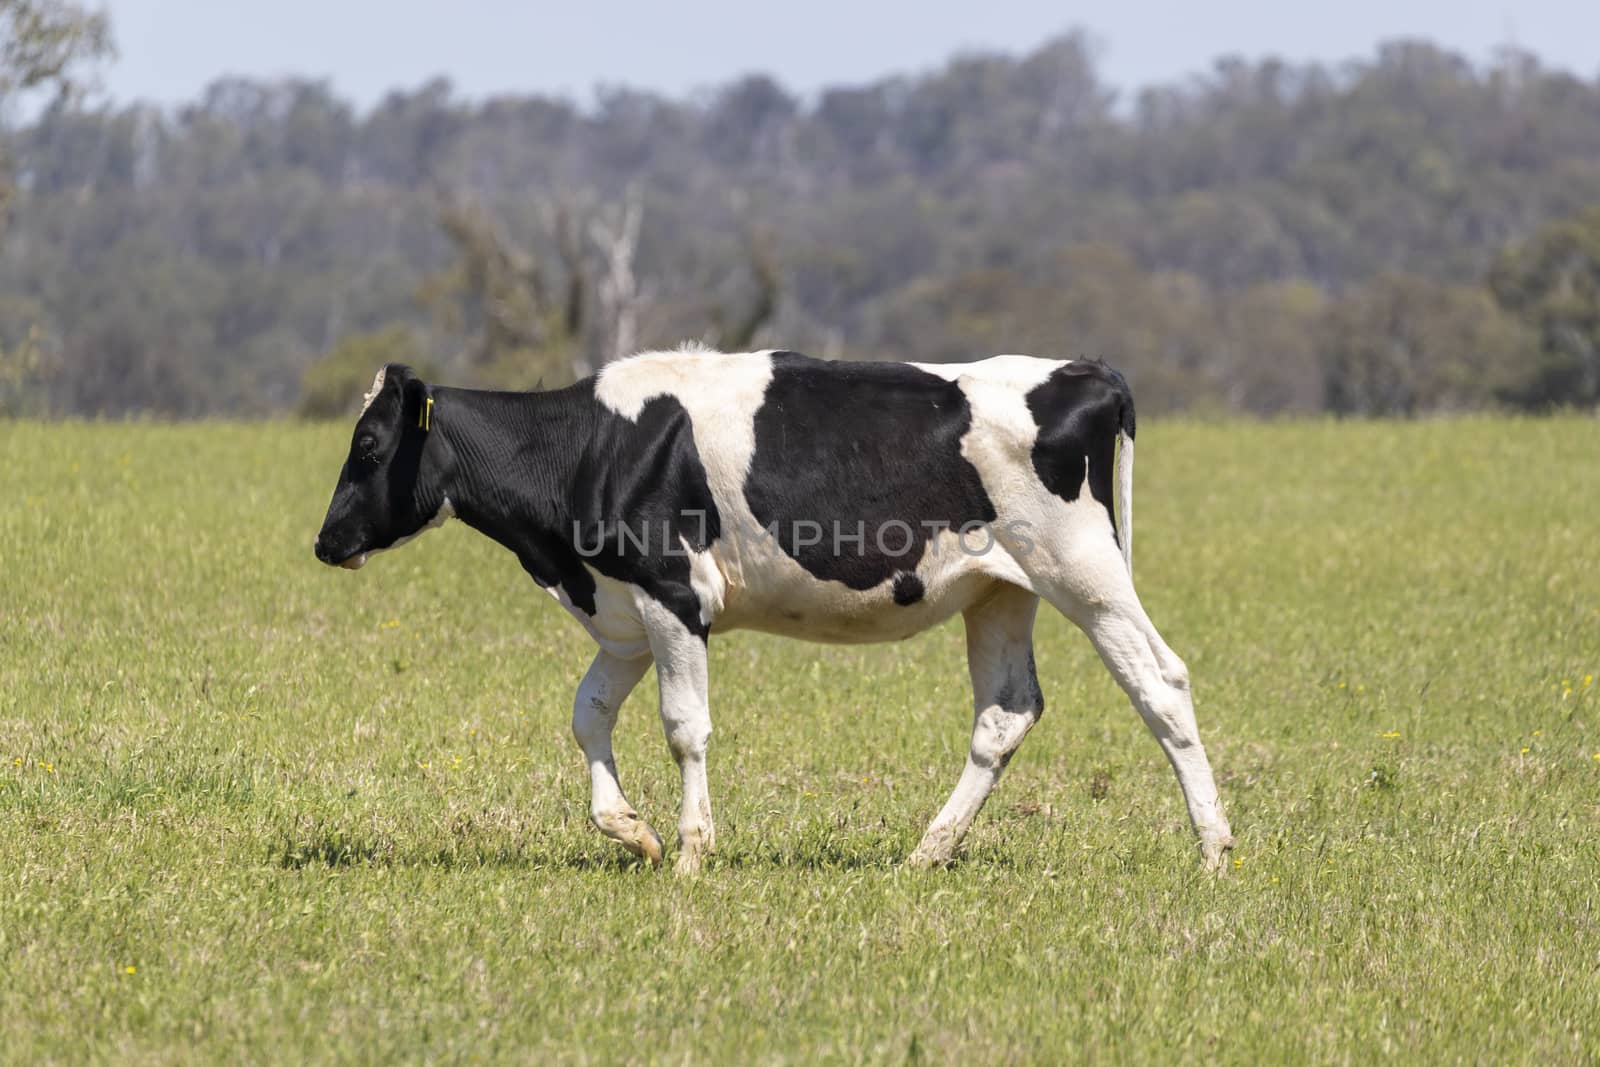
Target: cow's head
{"points": [[391, 487]]}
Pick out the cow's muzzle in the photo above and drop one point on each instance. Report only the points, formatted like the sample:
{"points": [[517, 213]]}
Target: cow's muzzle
{"points": [[352, 562]]}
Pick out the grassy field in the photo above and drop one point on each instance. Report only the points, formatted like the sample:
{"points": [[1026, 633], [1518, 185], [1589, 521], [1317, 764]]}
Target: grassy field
{"points": [[256, 810]]}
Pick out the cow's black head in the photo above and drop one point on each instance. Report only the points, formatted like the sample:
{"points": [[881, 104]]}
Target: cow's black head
{"points": [[391, 487]]}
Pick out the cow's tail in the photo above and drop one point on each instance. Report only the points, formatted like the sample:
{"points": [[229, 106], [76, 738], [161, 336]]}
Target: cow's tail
{"points": [[1124, 465]]}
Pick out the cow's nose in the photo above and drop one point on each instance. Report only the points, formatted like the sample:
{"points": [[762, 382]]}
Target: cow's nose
{"points": [[316, 546]]}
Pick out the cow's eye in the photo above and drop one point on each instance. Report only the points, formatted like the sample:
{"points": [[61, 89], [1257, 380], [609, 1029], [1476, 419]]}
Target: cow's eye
{"points": [[368, 444]]}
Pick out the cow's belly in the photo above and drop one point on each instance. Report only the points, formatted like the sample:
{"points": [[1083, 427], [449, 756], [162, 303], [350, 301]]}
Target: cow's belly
{"points": [[815, 610], [846, 616]]}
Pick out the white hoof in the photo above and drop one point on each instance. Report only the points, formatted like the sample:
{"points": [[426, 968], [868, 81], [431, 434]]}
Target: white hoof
{"points": [[1214, 853], [937, 849], [632, 833]]}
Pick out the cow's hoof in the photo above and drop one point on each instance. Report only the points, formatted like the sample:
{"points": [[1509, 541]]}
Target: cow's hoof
{"points": [[691, 860], [931, 854], [647, 844], [633, 834], [692, 853], [1214, 853]]}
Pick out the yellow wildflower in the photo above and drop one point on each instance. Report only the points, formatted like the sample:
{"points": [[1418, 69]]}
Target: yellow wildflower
{"points": [[130, 969], [1524, 752]]}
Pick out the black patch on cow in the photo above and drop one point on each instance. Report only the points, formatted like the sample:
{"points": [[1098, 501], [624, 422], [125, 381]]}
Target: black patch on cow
{"points": [[563, 480], [1079, 410], [1022, 694], [868, 448], [908, 589]]}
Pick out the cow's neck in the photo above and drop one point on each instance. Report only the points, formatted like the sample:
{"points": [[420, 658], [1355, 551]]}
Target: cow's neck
{"points": [[510, 461]]}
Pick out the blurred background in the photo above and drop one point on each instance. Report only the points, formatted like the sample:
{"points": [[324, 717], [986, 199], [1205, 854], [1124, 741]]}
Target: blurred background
{"points": [[229, 209]]}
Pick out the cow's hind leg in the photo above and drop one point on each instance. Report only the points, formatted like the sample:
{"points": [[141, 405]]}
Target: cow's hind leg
{"points": [[594, 716], [1087, 580], [686, 718], [1006, 704]]}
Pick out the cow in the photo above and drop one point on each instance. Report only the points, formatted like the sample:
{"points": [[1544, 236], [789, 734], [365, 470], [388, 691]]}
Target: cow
{"points": [[678, 494]]}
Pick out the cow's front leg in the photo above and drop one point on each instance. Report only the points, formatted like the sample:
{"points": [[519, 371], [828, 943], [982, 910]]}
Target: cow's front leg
{"points": [[686, 717], [594, 715]]}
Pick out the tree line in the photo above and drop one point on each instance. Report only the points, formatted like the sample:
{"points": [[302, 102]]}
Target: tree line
{"points": [[1406, 233]]}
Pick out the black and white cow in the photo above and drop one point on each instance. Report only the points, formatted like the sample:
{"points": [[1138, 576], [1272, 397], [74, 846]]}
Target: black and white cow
{"points": [[680, 493]]}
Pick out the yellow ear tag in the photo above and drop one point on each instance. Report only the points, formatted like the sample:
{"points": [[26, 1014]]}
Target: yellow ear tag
{"points": [[426, 420]]}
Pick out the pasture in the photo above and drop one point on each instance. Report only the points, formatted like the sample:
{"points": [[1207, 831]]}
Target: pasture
{"points": [[253, 809]]}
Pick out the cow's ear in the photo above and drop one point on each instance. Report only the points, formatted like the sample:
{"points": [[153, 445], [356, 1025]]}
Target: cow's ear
{"points": [[414, 395]]}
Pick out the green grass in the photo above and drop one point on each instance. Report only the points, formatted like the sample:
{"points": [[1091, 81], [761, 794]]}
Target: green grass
{"points": [[252, 809]]}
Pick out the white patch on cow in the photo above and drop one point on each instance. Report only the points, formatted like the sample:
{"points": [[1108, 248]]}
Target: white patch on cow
{"points": [[372, 394], [615, 624], [1020, 372], [707, 580], [1096, 569], [721, 392], [445, 513]]}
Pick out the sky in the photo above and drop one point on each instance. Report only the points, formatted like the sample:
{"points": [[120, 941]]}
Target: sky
{"points": [[171, 49]]}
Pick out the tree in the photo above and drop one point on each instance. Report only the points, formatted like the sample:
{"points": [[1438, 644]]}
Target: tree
{"points": [[199, 259], [617, 237], [532, 320], [506, 296], [43, 44], [1553, 284], [1401, 345], [1268, 351]]}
